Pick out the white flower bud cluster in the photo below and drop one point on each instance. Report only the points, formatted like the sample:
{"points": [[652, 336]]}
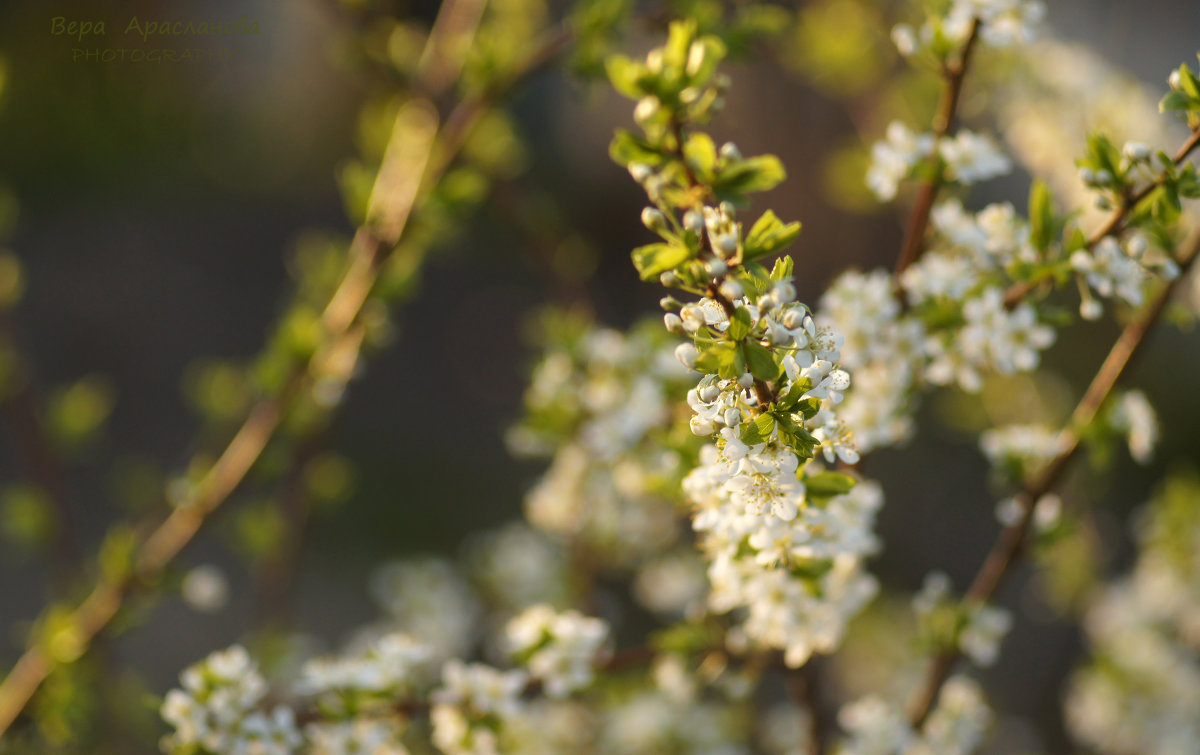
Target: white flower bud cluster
{"points": [[968, 157], [559, 649], [769, 547], [1002, 23], [1142, 691], [387, 666], [956, 726], [471, 706], [1027, 446], [598, 404], [983, 628], [215, 709]]}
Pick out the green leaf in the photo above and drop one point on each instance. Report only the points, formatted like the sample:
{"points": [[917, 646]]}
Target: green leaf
{"points": [[1176, 101], [1041, 216], [739, 327], [653, 260], [625, 75], [799, 387], [761, 361], [701, 155], [769, 235], [723, 358], [829, 484], [627, 148], [782, 269], [761, 173], [757, 431], [810, 568]]}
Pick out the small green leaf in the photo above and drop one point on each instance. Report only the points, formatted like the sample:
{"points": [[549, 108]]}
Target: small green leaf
{"points": [[761, 173], [769, 235], [782, 269], [757, 431], [625, 75], [799, 387], [723, 358], [701, 155], [1041, 216], [627, 148], [739, 327], [1176, 101], [761, 361], [829, 484], [653, 260]]}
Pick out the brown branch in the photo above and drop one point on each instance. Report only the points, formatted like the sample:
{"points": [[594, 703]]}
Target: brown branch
{"points": [[943, 125], [1010, 543], [1112, 227]]}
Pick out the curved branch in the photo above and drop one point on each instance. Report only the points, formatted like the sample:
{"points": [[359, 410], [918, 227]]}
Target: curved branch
{"points": [[1010, 543]]}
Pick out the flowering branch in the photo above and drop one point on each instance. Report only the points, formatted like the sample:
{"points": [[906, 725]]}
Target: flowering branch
{"points": [[1011, 540], [943, 124], [1116, 223]]}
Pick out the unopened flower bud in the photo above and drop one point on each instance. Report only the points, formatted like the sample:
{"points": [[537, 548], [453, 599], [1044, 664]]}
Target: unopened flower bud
{"points": [[640, 171], [693, 221], [670, 279], [1175, 81], [905, 39], [731, 290], [1137, 246], [732, 417], [646, 109], [793, 318], [726, 244], [729, 151], [701, 427], [716, 268], [709, 393], [765, 303], [654, 219], [746, 380], [1136, 151], [697, 54], [783, 292], [1103, 178], [654, 61], [1087, 176], [687, 354], [1090, 309], [673, 323]]}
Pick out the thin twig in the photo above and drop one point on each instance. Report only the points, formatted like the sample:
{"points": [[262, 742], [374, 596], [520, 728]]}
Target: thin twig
{"points": [[1010, 542], [943, 125]]}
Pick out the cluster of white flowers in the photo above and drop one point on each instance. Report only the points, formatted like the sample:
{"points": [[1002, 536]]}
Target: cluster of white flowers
{"points": [[978, 631], [216, 709], [429, 599], [971, 158], [893, 159], [1134, 415], [560, 650], [384, 667], [1002, 23], [471, 706], [1142, 692], [955, 726], [790, 567], [1022, 448], [597, 401]]}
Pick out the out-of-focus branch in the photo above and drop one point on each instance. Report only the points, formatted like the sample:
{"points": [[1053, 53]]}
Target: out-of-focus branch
{"points": [[1010, 543], [414, 161], [943, 125]]}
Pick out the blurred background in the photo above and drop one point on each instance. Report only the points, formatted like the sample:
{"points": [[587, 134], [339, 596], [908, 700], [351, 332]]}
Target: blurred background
{"points": [[159, 204]]}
